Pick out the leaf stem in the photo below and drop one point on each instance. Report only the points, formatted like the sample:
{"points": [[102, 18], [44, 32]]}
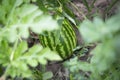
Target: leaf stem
{"points": [[13, 52], [3, 77]]}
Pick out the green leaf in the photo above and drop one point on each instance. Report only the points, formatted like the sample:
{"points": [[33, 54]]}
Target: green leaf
{"points": [[40, 55], [27, 9], [23, 32], [21, 16], [32, 62], [47, 54], [17, 68], [113, 23], [18, 2], [103, 57], [84, 66], [47, 75], [94, 31], [5, 51], [89, 31], [22, 47], [34, 50], [44, 23], [27, 1], [11, 34]]}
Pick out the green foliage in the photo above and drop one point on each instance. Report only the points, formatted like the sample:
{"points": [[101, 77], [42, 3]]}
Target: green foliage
{"points": [[39, 75], [16, 18], [19, 17], [104, 63], [17, 58]]}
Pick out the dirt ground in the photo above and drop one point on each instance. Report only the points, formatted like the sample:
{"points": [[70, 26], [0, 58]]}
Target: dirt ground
{"points": [[100, 7]]}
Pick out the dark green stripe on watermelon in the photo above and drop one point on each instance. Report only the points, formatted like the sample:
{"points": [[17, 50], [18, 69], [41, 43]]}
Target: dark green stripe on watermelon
{"points": [[53, 42], [59, 48], [67, 43], [42, 41], [64, 43], [49, 40], [69, 25]]}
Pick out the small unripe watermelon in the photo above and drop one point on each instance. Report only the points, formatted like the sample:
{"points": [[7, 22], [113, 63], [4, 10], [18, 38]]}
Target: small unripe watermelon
{"points": [[63, 41]]}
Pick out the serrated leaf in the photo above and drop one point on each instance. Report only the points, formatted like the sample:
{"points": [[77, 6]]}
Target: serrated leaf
{"points": [[27, 9], [24, 17], [47, 54], [30, 18], [17, 68], [32, 62], [22, 47], [34, 50], [44, 23]]}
